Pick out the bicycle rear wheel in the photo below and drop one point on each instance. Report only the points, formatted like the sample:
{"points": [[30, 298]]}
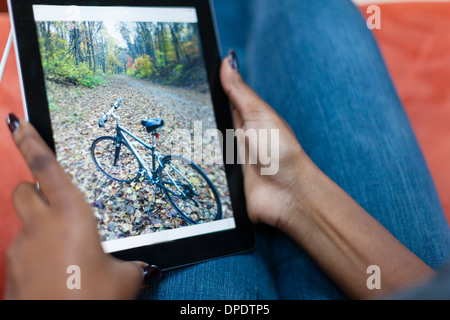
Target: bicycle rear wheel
{"points": [[190, 192], [115, 160]]}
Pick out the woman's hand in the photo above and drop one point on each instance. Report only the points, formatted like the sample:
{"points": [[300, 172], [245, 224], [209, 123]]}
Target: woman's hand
{"points": [[302, 201], [59, 231], [270, 198]]}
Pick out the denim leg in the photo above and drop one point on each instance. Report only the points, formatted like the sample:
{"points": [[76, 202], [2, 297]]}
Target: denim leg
{"points": [[318, 65], [233, 18], [245, 276]]}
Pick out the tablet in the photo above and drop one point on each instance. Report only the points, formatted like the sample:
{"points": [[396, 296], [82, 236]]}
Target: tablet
{"points": [[127, 94]]}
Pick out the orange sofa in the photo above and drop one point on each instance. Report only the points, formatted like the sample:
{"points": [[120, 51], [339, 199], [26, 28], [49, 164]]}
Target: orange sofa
{"points": [[12, 167]]}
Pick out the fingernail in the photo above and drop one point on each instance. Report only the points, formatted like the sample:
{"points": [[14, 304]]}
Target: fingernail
{"points": [[13, 122], [232, 59], [152, 274]]}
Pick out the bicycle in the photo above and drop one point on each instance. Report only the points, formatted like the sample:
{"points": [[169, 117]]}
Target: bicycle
{"points": [[184, 184]]}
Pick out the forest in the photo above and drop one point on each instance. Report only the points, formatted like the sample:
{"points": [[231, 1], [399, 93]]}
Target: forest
{"points": [[85, 53]]}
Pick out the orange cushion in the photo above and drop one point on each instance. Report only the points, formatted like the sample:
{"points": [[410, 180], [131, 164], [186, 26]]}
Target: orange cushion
{"points": [[12, 167], [415, 43]]}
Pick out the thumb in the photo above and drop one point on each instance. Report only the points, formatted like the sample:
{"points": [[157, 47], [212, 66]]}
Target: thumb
{"points": [[149, 274], [135, 275], [246, 104], [129, 277]]}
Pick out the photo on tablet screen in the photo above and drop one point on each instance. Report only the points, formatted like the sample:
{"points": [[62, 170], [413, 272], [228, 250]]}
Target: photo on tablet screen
{"points": [[133, 120]]}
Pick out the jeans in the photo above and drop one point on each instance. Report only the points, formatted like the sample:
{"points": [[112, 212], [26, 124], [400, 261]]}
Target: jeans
{"points": [[317, 64]]}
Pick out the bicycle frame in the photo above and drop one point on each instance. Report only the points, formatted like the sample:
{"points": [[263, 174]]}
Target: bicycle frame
{"points": [[120, 136], [156, 158], [157, 174], [152, 173]]}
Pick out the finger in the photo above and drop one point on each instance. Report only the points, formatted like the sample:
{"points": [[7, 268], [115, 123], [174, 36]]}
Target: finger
{"points": [[29, 204], [245, 102], [53, 181], [248, 107], [13, 267], [135, 275], [152, 274]]}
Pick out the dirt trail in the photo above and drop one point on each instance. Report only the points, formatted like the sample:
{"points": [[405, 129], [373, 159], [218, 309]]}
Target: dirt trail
{"points": [[169, 95]]}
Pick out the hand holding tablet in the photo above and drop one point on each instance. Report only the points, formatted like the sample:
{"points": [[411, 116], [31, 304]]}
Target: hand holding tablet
{"points": [[160, 201], [108, 127], [55, 216], [58, 231], [119, 173]]}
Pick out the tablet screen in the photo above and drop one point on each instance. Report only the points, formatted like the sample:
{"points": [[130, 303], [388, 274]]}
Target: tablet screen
{"points": [[133, 120]]}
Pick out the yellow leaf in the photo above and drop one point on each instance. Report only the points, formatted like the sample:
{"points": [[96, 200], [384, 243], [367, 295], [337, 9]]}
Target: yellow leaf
{"points": [[194, 181]]}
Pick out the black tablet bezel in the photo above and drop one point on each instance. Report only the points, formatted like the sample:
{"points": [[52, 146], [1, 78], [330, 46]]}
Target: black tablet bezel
{"points": [[166, 255]]}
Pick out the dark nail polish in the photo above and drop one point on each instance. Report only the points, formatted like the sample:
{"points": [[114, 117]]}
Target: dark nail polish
{"points": [[13, 122], [232, 58], [152, 274]]}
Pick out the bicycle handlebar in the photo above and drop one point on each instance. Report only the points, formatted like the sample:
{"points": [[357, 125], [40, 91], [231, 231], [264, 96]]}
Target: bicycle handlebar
{"points": [[102, 121], [117, 103], [104, 118]]}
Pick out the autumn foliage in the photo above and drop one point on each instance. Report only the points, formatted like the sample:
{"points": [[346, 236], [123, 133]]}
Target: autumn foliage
{"points": [[85, 53]]}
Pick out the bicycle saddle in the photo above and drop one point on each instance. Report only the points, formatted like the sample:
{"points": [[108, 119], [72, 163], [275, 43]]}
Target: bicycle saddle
{"points": [[152, 124]]}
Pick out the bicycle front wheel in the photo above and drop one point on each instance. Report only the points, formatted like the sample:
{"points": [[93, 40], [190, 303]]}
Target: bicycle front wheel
{"points": [[115, 160], [190, 192]]}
